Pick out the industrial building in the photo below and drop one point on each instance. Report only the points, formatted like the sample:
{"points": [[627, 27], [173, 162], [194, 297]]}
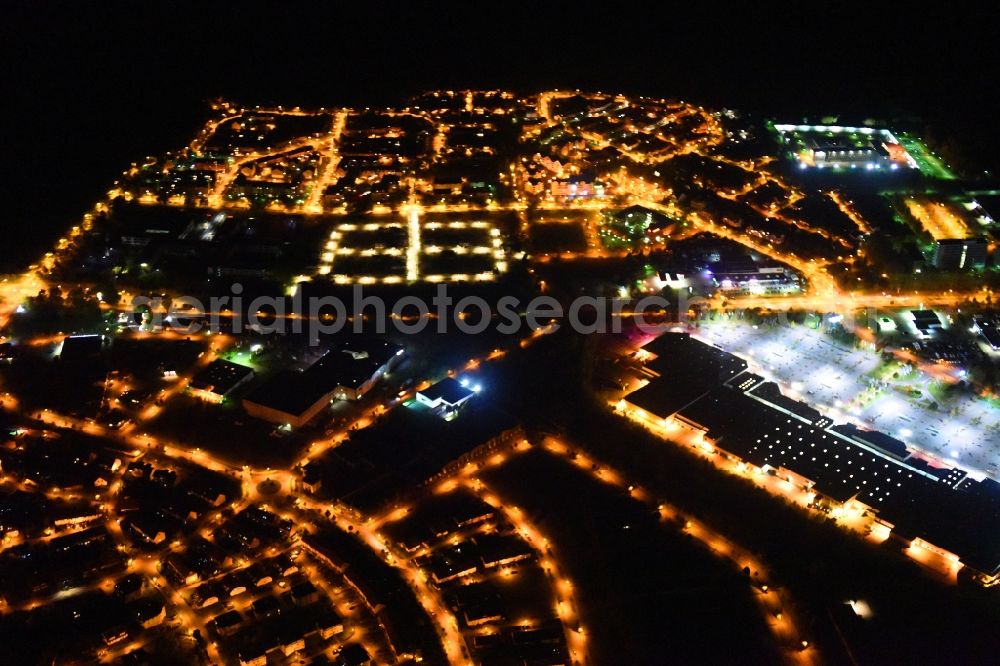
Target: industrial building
{"points": [[81, 347], [987, 328], [219, 379], [959, 253], [295, 397]]}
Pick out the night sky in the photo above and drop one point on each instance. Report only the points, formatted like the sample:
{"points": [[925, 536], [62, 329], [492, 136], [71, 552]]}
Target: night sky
{"points": [[90, 87]]}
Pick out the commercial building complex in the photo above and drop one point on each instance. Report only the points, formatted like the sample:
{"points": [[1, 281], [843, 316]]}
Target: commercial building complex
{"points": [[746, 418], [295, 398], [839, 147]]}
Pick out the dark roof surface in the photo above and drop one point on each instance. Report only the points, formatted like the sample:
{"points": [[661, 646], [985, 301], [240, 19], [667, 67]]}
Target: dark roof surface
{"points": [[448, 389], [287, 391], [702, 364], [78, 347], [220, 376], [944, 506], [295, 392], [663, 397]]}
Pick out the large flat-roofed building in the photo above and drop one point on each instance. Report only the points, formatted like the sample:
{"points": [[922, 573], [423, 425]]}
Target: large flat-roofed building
{"points": [[749, 277], [939, 508], [841, 147], [959, 253], [703, 364], [830, 152], [287, 398], [219, 379], [944, 508], [676, 385], [925, 322], [81, 347], [295, 398], [661, 400], [354, 370], [448, 395], [989, 331]]}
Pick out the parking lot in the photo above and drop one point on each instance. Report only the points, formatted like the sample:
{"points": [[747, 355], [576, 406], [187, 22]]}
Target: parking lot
{"points": [[841, 383]]}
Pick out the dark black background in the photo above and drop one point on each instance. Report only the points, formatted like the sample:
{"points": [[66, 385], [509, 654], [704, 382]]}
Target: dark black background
{"points": [[89, 87]]}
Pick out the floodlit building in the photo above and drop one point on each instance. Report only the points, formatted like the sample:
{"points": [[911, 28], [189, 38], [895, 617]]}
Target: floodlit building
{"points": [[576, 188], [840, 153], [447, 395], [839, 147], [959, 253], [748, 277], [925, 322], [987, 328], [665, 279], [844, 154]]}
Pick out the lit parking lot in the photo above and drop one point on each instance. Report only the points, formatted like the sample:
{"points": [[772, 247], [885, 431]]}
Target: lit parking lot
{"points": [[810, 366]]}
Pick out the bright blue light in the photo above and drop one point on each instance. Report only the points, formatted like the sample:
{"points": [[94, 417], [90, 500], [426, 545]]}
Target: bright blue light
{"points": [[477, 388], [464, 382]]}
